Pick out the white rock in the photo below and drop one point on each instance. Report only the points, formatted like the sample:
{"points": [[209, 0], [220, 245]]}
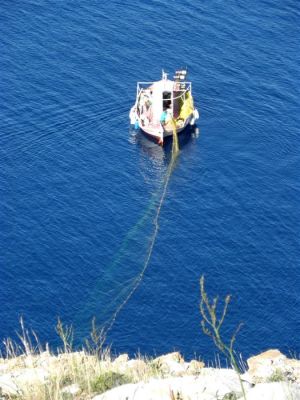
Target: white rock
{"points": [[136, 368], [268, 357], [274, 391], [211, 384], [123, 358], [171, 364], [7, 385], [45, 359], [72, 389], [29, 375], [12, 382], [270, 363], [3, 367], [195, 367], [171, 357]]}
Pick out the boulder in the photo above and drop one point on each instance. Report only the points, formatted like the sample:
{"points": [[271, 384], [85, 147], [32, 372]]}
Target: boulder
{"points": [[195, 367], [272, 365], [171, 364], [171, 357]]}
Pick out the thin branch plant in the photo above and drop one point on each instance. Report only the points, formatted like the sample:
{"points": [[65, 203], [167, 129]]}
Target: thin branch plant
{"points": [[211, 326]]}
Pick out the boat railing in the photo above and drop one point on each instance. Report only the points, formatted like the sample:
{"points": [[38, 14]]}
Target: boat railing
{"points": [[151, 83], [142, 86]]}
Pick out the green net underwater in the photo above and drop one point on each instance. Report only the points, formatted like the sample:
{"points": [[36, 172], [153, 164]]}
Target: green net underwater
{"points": [[123, 275]]}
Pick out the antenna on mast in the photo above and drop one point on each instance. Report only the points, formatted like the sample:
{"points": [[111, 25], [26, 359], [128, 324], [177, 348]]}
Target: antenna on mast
{"points": [[164, 75]]}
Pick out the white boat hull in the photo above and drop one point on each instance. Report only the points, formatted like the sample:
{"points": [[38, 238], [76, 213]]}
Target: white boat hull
{"points": [[160, 132]]}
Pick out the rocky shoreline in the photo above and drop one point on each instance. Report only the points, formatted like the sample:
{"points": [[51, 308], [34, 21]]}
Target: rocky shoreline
{"points": [[81, 376]]}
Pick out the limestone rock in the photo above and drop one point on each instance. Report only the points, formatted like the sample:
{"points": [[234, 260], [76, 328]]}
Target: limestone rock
{"points": [[71, 389], [12, 382], [272, 365], [30, 375], [120, 364], [3, 367], [123, 358], [292, 370], [173, 357], [7, 385], [136, 368], [274, 391], [268, 358], [210, 385], [44, 360], [195, 367], [171, 364]]}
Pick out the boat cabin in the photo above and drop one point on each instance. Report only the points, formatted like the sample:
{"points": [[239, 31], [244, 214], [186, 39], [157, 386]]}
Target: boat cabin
{"points": [[153, 98]]}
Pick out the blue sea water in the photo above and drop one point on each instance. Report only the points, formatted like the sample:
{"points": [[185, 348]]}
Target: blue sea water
{"points": [[80, 190]]}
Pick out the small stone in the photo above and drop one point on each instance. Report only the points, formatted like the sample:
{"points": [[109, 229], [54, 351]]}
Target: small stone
{"points": [[195, 367], [171, 364], [174, 357], [123, 358], [71, 389]]}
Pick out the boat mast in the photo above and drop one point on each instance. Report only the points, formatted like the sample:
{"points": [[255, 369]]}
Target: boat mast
{"points": [[172, 102], [164, 75]]}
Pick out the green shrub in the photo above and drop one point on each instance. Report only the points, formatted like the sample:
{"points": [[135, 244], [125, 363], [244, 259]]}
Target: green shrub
{"points": [[230, 396], [66, 380], [155, 368], [108, 381], [277, 376]]}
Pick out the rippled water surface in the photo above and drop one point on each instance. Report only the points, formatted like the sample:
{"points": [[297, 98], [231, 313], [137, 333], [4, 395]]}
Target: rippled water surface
{"points": [[80, 190]]}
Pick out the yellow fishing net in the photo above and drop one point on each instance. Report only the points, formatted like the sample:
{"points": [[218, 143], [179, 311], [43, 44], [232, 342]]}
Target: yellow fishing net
{"points": [[187, 106], [175, 146]]}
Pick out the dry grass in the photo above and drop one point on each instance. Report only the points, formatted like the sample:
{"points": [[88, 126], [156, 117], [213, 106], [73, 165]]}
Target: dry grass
{"points": [[36, 373]]}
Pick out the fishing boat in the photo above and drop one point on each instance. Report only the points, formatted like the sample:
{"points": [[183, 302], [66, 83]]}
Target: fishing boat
{"points": [[164, 106]]}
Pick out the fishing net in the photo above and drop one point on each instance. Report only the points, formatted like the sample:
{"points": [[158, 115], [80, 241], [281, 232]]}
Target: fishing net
{"points": [[120, 279]]}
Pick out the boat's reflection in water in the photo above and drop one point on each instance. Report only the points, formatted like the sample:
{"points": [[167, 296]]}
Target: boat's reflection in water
{"points": [[163, 153]]}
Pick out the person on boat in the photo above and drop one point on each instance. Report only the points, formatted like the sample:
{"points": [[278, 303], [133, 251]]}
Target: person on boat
{"points": [[164, 116], [148, 110]]}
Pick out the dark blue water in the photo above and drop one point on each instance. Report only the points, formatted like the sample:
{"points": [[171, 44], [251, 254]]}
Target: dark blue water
{"points": [[80, 190]]}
